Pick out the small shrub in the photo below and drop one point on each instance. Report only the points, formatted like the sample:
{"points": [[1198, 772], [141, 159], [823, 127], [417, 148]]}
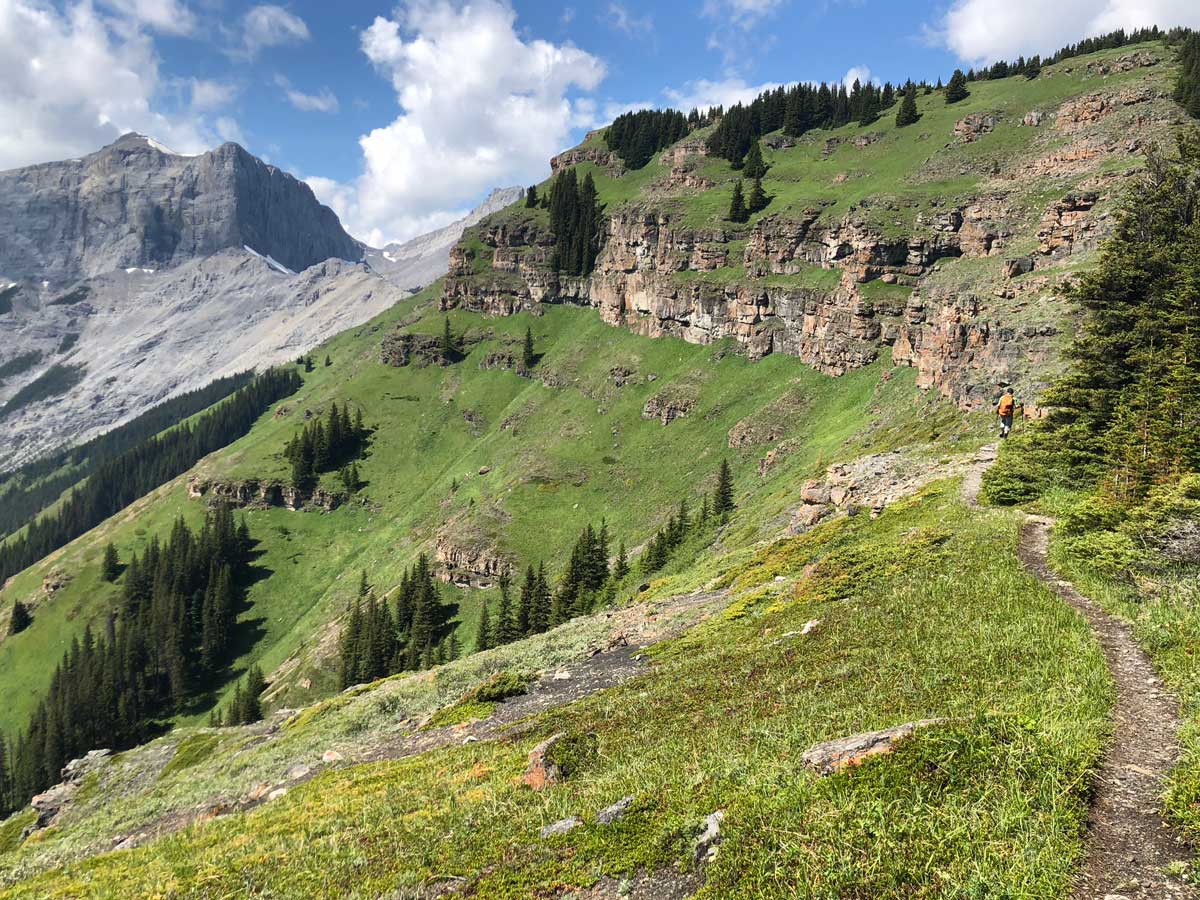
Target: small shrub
{"points": [[1108, 553], [574, 753], [1092, 513], [501, 686]]}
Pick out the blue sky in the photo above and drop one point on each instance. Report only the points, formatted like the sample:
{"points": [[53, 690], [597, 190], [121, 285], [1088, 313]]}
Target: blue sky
{"points": [[402, 116]]}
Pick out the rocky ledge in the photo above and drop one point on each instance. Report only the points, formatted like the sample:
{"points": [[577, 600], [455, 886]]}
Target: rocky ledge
{"points": [[262, 494]]}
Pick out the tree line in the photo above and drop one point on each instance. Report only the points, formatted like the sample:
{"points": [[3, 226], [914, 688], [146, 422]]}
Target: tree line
{"points": [[167, 645], [575, 219], [380, 639], [36, 485], [321, 446], [636, 136], [1187, 83], [117, 482]]}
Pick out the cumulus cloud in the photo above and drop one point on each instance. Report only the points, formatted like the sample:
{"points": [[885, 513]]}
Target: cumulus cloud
{"points": [[271, 26], [323, 100], [209, 95], [981, 31], [74, 79], [481, 107], [861, 74], [166, 16], [703, 94]]}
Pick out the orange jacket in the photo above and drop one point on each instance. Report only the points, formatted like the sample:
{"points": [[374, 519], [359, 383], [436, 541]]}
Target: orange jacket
{"points": [[1007, 404]]}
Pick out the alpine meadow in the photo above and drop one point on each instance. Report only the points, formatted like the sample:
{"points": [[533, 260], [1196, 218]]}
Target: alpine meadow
{"points": [[653, 530]]}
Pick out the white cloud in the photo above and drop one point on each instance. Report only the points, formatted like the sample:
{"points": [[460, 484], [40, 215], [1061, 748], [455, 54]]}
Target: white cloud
{"points": [[619, 17], [269, 25], [227, 129], [703, 94], [480, 107], [743, 13], [323, 100], [861, 74], [209, 95], [167, 16], [986, 30], [73, 80]]}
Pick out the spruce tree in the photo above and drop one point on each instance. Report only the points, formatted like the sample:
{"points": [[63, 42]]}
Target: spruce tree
{"points": [[907, 113], [504, 631], [758, 199], [723, 504], [252, 697], [621, 566], [754, 166], [21, 619], [737, 205], [483, 636], [531, 197], [328, 361], [528, 356], [110, 566], [449, 347], [956, 90]]}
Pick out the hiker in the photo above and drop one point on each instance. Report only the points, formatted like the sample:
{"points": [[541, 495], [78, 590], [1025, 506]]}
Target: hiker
{"points": [[1005, 409]]}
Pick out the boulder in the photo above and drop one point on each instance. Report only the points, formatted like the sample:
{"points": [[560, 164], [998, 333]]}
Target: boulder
{"points": [[834, 756], [614, 813], [1022, 265], [542, 771], [815, 492], [562, 826], [705, 848]]}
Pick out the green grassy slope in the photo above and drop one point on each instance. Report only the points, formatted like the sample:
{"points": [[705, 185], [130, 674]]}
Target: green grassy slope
{"points": [[560, 457], [922, 614]]}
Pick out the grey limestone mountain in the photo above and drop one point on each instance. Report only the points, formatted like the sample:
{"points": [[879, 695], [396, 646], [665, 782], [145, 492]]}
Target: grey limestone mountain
{"points": [[145, 273]]}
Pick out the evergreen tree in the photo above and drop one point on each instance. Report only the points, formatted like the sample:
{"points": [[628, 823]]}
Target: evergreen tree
{"points": [[956, 90], [328, 361], [20, 619], [753, 166], [483, 636], [528, 356], [531, 197], [110, 566], [449, 347], [737, 205], [308, 364], [758, 199], [907, 113], [621, 566], [505, 629], [723, 504]]}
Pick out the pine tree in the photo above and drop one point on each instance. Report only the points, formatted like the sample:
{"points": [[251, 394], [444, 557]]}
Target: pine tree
{"points": [[737, 205], [449, 347], [758, 199], [907, 113], [483, 636], [252, 697], [21, 619], [505, 629], [110, 566], [723, 504], [956, 90], [528, 356], [531, 197], [621, 566], [754, 167], [328, 361]]}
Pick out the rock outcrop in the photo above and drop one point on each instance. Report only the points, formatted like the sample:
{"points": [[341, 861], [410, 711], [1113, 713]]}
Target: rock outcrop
{"points": [[469, 564], [263, 494]]}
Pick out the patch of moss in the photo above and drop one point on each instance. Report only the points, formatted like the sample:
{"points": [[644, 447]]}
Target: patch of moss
{"points": [[192, 750]]}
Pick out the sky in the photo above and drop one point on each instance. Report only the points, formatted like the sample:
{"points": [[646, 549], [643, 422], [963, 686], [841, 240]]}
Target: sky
{"points": [[403, 117]]}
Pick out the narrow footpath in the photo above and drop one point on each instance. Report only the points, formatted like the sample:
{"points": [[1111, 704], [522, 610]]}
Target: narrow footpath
{"points": [[1131, 852]]}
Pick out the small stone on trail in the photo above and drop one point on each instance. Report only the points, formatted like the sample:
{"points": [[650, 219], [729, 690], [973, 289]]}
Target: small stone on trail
{"points": [[562, 826], [277, 793], [330, 756], [470, 739], [614, 813], [295, 773], [810, 626], [562, 675]]}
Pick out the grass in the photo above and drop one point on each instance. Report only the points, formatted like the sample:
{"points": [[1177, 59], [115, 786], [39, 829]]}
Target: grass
{"points": [[989, 803], [553, 458]]}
